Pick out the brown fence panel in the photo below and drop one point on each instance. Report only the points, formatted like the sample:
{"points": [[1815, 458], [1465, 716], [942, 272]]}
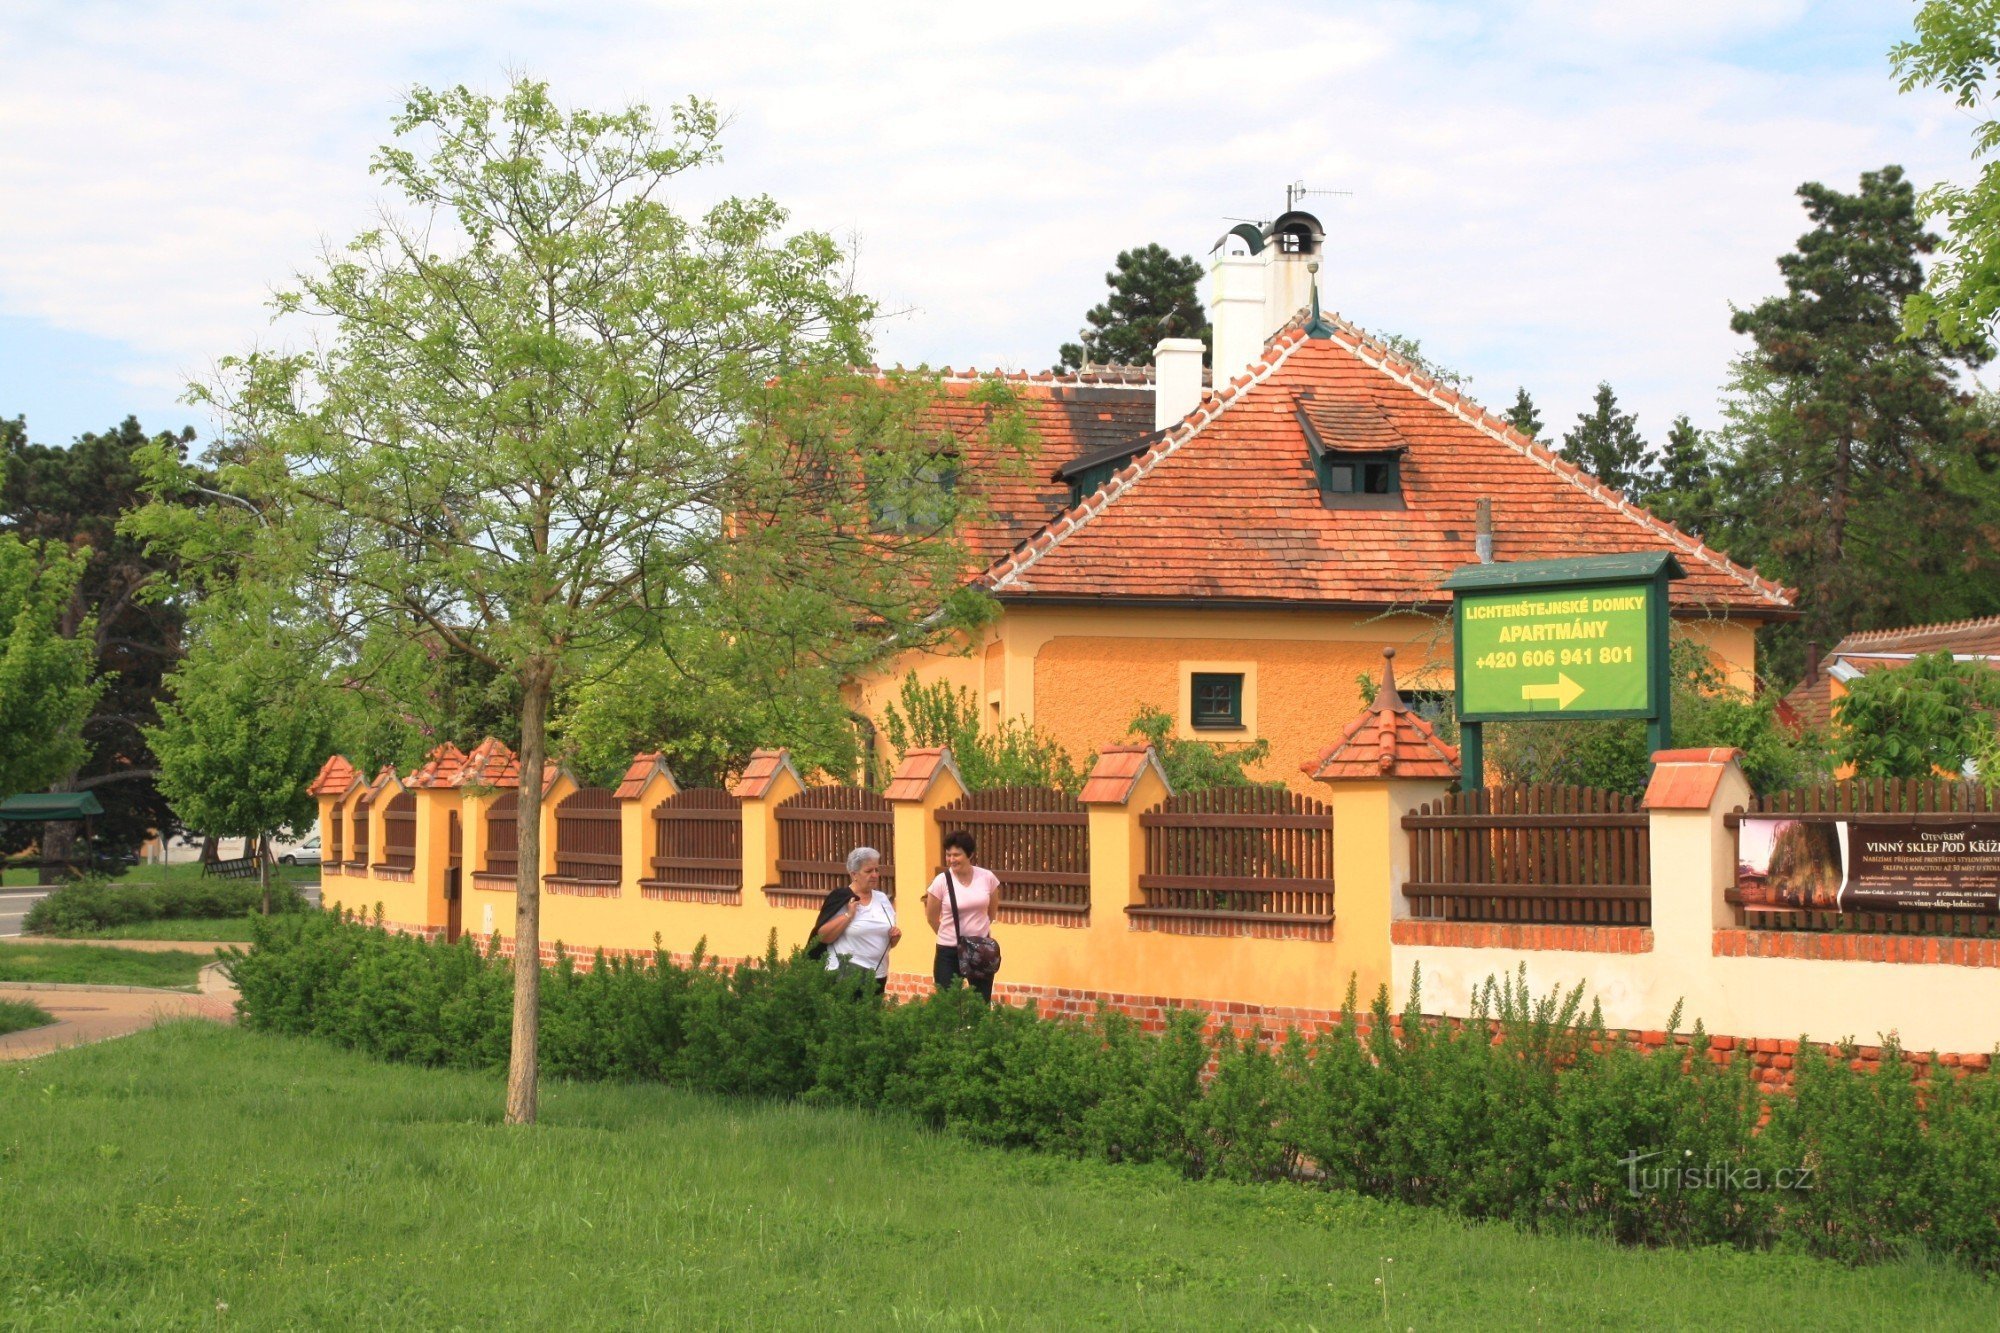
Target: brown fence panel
{"points": [[1037, 840], [589, 842], [1864, 801], [1238, 856], [1568, 855], [338, 828], [697, 847], [503, 836], [399, 832], [357, 854], [817, 829]]}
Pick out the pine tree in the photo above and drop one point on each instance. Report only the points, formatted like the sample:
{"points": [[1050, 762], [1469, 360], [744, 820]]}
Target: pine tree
{"points": [[1523, 415], [1855, 455], [1681, 492], [1606, 444], [1153, 296]]}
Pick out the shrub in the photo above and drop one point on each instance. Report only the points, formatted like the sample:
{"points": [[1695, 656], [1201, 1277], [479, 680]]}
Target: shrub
{"points": [[1525, 1110], [96, 903]]}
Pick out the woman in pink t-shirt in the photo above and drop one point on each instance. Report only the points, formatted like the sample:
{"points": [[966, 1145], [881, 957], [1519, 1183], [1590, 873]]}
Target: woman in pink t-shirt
{"points": [[978, 894]]}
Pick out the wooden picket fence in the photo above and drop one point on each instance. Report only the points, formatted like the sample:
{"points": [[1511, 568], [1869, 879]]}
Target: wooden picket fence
{"points": [[817, 829], [1570, 855], [503, 837], [590, 853], [697, 848], [399, 832], [1865, 801], [1037, 840], [1237, 860]]}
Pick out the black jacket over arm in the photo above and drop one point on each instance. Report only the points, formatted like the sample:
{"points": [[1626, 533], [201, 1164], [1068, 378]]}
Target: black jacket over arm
{"points": [[835, 903]]}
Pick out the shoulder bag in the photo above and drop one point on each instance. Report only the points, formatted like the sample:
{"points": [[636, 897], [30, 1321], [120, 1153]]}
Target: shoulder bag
{"points": [[979, 955]]}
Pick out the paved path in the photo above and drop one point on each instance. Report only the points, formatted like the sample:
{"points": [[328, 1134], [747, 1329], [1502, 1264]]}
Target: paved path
{"points": [[14, 905], [85, 1014]]}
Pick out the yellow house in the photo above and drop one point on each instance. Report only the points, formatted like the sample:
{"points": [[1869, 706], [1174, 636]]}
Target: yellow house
{"points": [[1240, 555]]}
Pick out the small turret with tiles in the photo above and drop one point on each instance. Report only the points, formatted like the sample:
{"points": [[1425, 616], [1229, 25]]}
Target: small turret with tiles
{"points": [[1388, 740]]}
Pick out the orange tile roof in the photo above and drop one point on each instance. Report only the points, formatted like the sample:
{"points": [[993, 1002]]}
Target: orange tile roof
{"points": [[441, 768], [1810, 702], [639, 773], [1115, 775], [1388, 740], [920, 769], [760, 773], [1226, 506], [1687, 779], [336, 778], [490, 764]]}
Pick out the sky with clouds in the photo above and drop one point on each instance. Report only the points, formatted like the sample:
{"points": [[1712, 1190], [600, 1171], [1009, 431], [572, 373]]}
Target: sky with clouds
{"points": [[1545, 194]]}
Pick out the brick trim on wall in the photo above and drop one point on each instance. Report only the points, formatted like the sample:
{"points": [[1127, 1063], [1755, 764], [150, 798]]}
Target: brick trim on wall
{"points": [[1848, 947], [1508, 935]]}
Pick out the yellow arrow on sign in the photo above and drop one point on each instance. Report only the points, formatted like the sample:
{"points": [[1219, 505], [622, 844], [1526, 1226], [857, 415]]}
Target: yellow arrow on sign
{"points": [[1564, 691]]}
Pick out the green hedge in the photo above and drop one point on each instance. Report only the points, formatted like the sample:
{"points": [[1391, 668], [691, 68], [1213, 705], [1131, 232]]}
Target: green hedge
{"points": [[94, 904], [1525, 1113]]}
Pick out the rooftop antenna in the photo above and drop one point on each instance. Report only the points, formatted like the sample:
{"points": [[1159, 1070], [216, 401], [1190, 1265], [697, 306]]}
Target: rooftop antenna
{"points": [[1297, 190]]}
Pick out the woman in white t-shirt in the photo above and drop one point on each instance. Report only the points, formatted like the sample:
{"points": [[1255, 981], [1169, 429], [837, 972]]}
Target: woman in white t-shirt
{"points": [[977, 890], [860, 931]]}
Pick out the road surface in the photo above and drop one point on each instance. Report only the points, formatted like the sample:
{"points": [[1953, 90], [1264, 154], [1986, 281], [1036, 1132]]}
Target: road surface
{"points": [[14, 905]]}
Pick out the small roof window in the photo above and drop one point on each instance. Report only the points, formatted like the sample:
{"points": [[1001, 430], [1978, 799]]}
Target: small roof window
{"points": [[1355, 451]]}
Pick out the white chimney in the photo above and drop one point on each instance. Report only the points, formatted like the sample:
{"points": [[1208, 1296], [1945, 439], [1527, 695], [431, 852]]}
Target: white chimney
{"points": [[1236, 311], [1176, 380]]}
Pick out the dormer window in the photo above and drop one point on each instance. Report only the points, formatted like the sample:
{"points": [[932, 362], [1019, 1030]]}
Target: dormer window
{"points": [[1355, 451], [1085, 475]]}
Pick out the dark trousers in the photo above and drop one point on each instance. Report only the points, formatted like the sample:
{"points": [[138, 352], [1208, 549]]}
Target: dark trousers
{"points": [[945, 971]]}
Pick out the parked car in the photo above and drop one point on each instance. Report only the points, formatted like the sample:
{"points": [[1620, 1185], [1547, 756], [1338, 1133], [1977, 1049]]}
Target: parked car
{"points": [[305, 853]]}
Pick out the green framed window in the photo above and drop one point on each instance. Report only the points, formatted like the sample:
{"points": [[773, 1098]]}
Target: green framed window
{"points": [[1216, 700], [1355, 477]]}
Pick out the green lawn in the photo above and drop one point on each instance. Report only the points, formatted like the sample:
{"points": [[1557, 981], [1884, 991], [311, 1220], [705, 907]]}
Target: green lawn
{"points": [[14, 876], [92, 965], [217, 930], [197, 1166], [19, 1016]]}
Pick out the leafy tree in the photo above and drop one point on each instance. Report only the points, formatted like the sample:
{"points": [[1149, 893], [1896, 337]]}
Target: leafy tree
{"points": [[46, 685], [1606, 444], [1524, 416], [1851, 460], [1956, 50], [554, 420], [1153, 296], [1681, 492], [75, 496], [1012, 754], [247, 724], [1198, 765], [1931, 716]]}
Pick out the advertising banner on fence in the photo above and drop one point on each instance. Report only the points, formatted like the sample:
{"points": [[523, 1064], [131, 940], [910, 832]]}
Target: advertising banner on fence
{"points": [[1848, 866]]}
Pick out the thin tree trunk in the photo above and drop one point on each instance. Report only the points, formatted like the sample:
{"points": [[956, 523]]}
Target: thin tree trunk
{"points": [[264, 869], [523, 1066]]}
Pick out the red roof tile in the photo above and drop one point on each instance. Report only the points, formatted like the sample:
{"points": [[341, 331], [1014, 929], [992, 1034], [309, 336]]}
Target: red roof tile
{"points": [[490, 764], [1386, 741], [919, 770], [1687, 779], [440, 768], [336, 778], [1115, 775], [640, 772], [1226, 506], [760, 773]]}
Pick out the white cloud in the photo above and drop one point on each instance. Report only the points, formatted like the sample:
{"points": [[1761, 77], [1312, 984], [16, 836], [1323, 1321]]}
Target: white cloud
{"points": [[1544, 194]]}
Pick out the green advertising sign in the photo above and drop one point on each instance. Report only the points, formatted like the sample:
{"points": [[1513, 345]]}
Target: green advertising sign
{"points": [[1557, 651]]}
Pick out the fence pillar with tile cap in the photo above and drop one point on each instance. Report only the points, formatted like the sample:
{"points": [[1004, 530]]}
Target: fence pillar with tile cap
{"points": [[646, 783], [768, 781], [1386, 763], [1693, 851], [435, 784], [1126, 781], [926, 779]]}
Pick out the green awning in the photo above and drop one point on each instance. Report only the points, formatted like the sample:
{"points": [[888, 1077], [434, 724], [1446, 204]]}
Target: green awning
{"points": [[35, 807]]}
